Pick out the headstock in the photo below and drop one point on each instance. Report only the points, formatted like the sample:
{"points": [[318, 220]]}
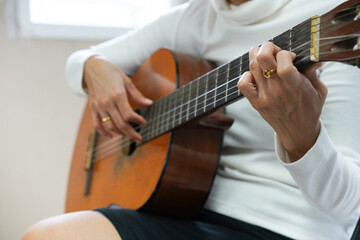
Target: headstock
{"points": [[339, 38]]}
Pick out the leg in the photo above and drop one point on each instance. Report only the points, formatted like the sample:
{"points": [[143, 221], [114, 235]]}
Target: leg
{"points": [[78, 225]]}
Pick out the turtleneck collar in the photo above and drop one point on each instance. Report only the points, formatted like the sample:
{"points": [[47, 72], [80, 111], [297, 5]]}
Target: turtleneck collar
{"points": [[249, 12]]}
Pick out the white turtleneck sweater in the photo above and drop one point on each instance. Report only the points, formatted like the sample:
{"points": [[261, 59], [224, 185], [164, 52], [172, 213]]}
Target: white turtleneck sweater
{"points": [[318, 196]]}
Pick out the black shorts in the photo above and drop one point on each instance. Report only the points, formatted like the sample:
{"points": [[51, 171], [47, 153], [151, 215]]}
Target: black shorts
{"points": [[207, 225]]}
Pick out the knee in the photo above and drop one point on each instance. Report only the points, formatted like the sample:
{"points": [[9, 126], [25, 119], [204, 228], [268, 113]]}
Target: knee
{"points": [[40, 231], [34, 232]]}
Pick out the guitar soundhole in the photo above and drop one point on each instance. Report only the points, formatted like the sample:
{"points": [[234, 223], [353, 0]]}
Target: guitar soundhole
{"points": [[132, 148]]}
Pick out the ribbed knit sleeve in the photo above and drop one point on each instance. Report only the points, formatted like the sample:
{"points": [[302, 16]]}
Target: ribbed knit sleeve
{"points": [[328, 175], [128, 51]]}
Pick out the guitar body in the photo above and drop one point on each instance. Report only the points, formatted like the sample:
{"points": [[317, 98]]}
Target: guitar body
{"points": [[171, 174]]}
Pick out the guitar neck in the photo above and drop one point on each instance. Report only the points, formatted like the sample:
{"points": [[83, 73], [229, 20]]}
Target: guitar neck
{"points": [[310, 42]]}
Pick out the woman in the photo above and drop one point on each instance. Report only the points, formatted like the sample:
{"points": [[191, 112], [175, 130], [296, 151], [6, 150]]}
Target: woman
{"points": [[289, 168]]}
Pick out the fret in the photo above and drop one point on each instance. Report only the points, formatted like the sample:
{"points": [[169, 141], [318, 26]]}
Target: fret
{"points": [[164, 114], [145, 112], [169, 110], [196, 96], [221, 84], [152, 117], [159, 118], [176, 107], [210, 93], [193, 97], [201, 94], [180, 104], [244, 67], [206, 89], [301, 43], [301, 35], [155, 119], [244, 63], [282, 40], [235, 73], [215, 85], [227, 81], [188, 101], [238, 66]]}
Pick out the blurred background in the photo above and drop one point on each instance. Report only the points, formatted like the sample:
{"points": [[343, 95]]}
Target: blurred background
{"points": [[39, 115]]}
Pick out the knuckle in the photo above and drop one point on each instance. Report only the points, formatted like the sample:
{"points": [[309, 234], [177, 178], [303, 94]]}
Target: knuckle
{"points": [[254, 49], [105, 102], [282, 53], [265, 102], [264, 59], [128, 117], [287, 71], [121, 125], [253, 65], [119, 95]]}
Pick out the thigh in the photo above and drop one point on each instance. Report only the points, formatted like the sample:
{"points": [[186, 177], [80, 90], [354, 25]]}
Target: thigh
{"points": [[78, 225], [134, 225]]}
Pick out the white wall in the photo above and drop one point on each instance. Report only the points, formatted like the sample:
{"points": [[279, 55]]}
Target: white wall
{"points": [[39, 116]]}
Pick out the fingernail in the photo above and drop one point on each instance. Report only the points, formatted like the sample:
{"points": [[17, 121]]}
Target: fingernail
{"points": [[148, 101], [241, 78]]}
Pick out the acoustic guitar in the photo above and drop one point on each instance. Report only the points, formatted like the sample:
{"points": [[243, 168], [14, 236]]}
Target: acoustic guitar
{"points": [[171, 171]]}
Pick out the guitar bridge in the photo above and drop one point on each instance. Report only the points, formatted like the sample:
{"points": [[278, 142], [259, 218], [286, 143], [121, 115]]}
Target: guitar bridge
{"points": [[89, 160], [91, 152]]}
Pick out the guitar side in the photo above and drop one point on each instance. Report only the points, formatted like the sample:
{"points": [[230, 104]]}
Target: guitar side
{"points": [[171, 174]]}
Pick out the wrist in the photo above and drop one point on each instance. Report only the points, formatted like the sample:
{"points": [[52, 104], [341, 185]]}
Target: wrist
{"points": [[298, 142], [90, 64]]}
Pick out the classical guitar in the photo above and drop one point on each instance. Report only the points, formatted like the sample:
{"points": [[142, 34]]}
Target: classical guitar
{"points": [[171, 171]]}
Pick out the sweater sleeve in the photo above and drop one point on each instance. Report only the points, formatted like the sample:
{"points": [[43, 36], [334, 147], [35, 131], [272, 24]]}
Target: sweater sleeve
{"points": [[128, 51], [328, 175]]}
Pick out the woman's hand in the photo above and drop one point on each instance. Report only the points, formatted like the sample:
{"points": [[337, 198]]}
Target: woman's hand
{"points": [[290, 101], [109, 89]]}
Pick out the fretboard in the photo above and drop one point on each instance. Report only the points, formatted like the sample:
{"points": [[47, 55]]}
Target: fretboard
{"points": [[218, 87]]}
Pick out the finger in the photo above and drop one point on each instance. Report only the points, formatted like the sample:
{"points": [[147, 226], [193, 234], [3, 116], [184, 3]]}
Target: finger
{"points": [[108, 125], [96, 120], [248, 88], [125, 128], [130, 132], [135, 94], [312, 75], [286, 69], [109, 116], [255, 69], [266, 56], [126, 112], [122, 126], [118, 123]]}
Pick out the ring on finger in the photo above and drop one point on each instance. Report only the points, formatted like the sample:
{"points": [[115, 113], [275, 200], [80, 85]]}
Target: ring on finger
{"points": [[267, 73], [105, 119]]}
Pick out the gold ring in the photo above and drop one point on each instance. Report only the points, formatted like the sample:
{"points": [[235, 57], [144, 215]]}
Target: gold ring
{"points": [[105, 119], [267, 73]]}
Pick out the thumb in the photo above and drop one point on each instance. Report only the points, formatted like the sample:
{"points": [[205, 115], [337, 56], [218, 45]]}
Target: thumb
{"points": [[312, 75]]}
